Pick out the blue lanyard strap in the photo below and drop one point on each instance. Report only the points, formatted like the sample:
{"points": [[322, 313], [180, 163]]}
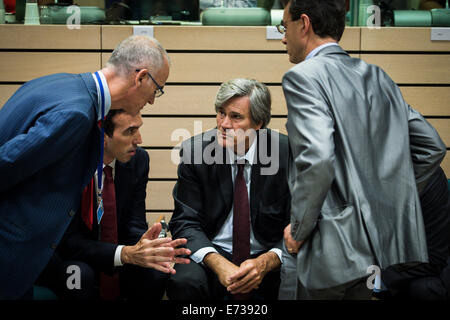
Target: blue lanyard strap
{"points": [[102, 133]]}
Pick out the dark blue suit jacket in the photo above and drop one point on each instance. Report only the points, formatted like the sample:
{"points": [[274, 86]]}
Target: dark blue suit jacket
{"points": [[81, 242], [49, 149]]}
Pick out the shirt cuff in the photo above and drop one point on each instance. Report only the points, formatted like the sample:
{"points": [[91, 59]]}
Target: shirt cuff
{"points": [[278, 252], [198, 255], [117, 260]]}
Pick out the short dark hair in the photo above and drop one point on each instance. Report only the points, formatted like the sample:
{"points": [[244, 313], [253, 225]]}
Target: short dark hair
{"points": [[109, 124], [327, 16]]}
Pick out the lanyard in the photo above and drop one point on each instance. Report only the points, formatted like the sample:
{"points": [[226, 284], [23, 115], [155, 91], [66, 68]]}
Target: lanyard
{"points": [[100, 210]]}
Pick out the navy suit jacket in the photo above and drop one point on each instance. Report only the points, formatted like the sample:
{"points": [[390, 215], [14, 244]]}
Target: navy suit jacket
{"points": [[82, 243], [49, 149]]}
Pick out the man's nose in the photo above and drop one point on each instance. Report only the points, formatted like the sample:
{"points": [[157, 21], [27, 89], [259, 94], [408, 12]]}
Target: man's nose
{"points": [[226, 123], [138, 138]]}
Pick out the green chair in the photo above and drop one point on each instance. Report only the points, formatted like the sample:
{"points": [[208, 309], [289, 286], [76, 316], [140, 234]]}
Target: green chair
{"points": [[43, 293]]}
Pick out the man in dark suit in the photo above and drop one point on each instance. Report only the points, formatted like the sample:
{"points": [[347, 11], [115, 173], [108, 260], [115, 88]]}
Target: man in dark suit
{"points": [[234, 233], [50, 147], [110, 254], [427, 281]]}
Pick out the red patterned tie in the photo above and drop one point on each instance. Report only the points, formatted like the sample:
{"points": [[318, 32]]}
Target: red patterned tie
{"points": [[109, 285], [241, 223]]}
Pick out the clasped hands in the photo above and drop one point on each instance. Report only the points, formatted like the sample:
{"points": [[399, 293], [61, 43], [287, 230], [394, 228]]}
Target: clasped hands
{"points": [[243, 278], [157, 253]]}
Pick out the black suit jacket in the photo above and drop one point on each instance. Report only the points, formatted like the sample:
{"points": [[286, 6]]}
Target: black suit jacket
{"points": [[203, 194], [81, 243]]}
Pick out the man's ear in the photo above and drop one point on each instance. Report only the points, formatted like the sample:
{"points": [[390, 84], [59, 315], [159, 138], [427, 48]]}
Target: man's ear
{"points": [[140, 76], [305, 23]]}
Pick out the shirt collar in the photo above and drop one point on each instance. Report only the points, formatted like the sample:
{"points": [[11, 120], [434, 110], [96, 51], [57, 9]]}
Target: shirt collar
{"points": [[317, 49], [112, 164], [249, 155], [107, 94]]}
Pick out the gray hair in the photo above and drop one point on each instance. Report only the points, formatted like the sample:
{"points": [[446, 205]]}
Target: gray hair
{"points": [[137, 52], [258, 93]]}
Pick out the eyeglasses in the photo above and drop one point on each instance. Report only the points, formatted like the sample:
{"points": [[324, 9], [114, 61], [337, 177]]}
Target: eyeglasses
{"points": [[281, 28], [159, 91]]}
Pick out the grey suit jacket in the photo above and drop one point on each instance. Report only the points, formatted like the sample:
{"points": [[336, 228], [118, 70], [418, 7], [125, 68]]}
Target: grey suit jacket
{"points": [[358, 151]]}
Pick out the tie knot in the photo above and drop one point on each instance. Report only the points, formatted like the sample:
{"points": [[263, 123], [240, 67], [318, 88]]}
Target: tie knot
{"points": [[108, 171], [240, 167]]}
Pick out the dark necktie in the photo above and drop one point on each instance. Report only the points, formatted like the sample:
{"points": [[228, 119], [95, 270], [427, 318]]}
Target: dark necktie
{"points": [[241, 223], [109, 285]]}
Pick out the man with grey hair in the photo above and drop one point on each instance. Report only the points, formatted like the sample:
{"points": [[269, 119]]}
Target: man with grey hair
{"points": [[50, 146], [232, 214]]}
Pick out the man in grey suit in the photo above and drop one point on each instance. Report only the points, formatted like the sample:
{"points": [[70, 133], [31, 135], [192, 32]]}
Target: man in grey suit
{"points": [[361, 156]]}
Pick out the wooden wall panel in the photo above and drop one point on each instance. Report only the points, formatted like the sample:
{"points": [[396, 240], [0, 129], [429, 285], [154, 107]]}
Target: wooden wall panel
{"points": [[51, 37], [400, 39], [159, 195], [24, 66], [163, 163], [430, 101], [413, 68], [231, 38]]}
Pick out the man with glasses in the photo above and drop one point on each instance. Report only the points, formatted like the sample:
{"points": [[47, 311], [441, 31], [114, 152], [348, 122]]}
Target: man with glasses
{"points": [[50, 146], [361, 156]]}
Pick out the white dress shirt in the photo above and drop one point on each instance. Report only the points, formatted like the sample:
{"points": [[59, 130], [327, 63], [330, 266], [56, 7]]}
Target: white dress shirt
{"points": [[224, 238]]}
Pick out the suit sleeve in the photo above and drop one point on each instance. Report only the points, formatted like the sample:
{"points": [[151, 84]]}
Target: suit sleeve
{"points": [[427, 148], [135, 209], [310, 128], [78, 244], [47, 141], [188, 217]]}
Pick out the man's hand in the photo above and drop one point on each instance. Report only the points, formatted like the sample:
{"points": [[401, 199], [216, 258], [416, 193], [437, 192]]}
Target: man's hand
{"points": [[159, 254], [221, 266], [251, 273], [291, 245]]}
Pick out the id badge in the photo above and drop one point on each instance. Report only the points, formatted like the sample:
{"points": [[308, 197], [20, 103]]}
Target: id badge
{"points": [[100, 211]]}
